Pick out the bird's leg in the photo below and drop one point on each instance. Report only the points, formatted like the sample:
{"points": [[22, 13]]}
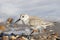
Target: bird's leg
{"points": [[34, 30]]}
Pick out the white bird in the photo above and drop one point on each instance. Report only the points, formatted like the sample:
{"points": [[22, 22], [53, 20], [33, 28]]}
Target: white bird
{"points": [[36, 23]]}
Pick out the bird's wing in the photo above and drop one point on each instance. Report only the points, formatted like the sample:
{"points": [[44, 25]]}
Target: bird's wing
{"points": [[33, 20], [47, 24], [36, 21]]}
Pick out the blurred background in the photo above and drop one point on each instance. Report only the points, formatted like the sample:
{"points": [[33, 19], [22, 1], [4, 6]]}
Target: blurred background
{"points": [[47, 9]]}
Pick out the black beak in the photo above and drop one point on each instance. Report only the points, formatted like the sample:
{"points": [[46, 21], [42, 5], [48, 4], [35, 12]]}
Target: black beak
{"points": [[18, 20]]}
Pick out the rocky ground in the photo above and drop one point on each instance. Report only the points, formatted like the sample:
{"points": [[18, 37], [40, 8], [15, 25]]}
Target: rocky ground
{"points": [[22, 32]]}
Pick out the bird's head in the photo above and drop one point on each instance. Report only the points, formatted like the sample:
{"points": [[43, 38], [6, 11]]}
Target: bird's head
{"points": [[23, 17]]}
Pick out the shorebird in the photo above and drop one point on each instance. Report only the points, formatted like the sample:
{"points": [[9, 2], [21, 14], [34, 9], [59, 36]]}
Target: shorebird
{"points": [[36, 23]]}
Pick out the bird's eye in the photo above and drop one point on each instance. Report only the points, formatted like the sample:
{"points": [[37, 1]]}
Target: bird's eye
{"points": [[22, 16]]}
